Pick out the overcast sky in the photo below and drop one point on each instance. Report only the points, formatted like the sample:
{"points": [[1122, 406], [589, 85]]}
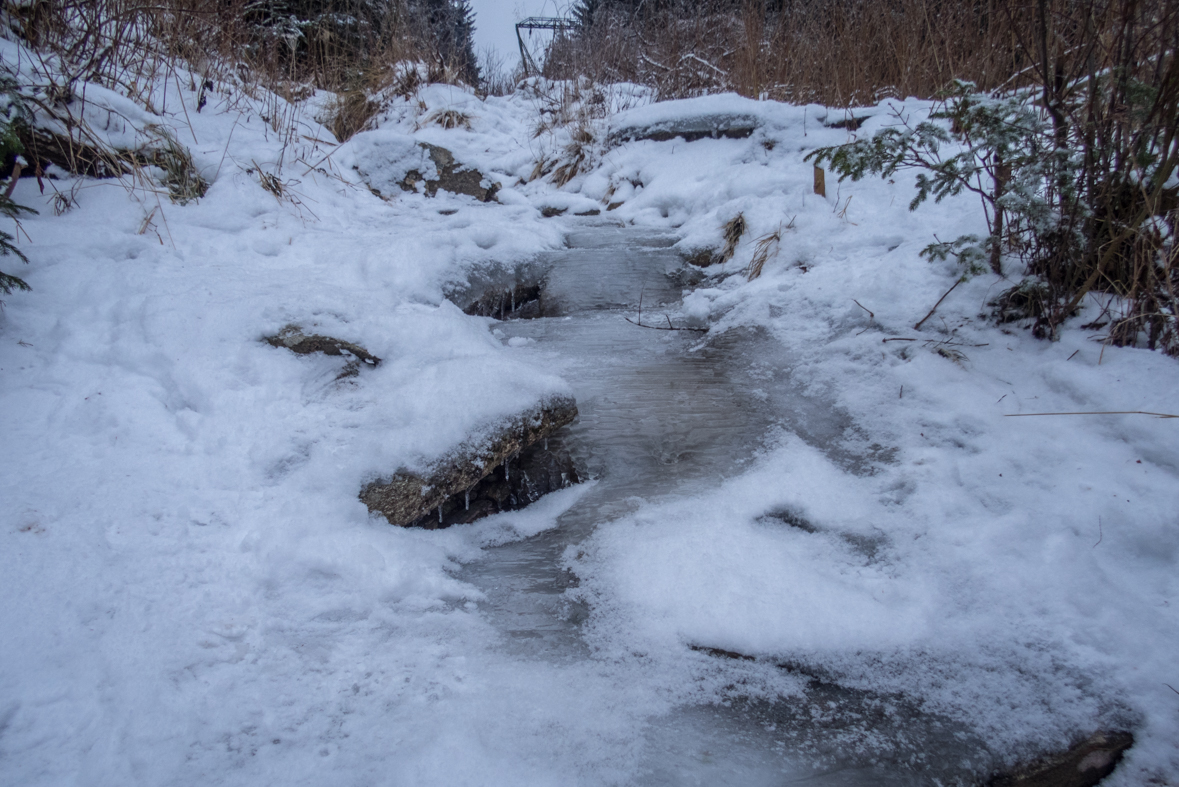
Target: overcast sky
{"points": [[495, 24]]}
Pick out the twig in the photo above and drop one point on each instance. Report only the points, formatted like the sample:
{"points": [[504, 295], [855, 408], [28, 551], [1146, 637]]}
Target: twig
{"points": [[917, 327], [225, 152], [147, 220], [1172, 688], [865, 308], [1100, 533], [948, 343], [896, 339], [180, 94], [1097, 412], [661, 328]]}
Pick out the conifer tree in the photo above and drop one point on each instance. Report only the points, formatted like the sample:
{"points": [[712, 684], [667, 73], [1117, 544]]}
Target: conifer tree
{"points": [[13, 115]]}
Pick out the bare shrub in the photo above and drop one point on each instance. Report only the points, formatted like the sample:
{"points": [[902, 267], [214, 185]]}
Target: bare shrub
{"points": [[497, 78]]}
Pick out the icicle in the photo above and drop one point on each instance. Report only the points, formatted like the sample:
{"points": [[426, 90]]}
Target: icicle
{"points": [[507, 463], [513, 301], [440, 513], [546, 444], [467, 500]]}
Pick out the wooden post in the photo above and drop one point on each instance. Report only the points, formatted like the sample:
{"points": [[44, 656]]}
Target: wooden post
{"points": [[16, 169], [820, 182]]}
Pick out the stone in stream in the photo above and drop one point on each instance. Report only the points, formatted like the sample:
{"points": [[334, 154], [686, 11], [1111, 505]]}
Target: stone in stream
{"points": [[512, 465]]}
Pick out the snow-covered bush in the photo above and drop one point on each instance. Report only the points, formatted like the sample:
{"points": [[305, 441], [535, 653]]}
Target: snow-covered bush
{"points": [[997, 148], [1080, 216]]}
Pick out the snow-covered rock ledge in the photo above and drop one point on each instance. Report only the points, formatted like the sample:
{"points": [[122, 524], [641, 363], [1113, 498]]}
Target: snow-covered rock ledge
{"points": [[690, 119], [409, 498]]}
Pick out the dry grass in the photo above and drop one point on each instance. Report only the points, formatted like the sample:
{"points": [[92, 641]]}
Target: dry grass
{"points": [[349, 112], [835, 52], [574, 156], [450, 119], [732, 233], [766, 249], [181, 178]]}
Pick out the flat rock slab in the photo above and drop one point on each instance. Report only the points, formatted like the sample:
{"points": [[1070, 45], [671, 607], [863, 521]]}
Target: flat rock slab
{"points": [[689, 128], [409, 498]]}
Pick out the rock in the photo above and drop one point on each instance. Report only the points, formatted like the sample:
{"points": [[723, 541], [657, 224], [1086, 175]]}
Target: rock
{"points": [[545, 466], [590, 212], [689, 128], [549, 212], [507, 468], [1083, 765], [293, 339], [452, 177], [524, 301], [702, 257], [849, 123]]}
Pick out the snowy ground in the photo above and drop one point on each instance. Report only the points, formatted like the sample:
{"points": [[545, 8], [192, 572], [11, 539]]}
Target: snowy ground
{"points": [[196, 595]]}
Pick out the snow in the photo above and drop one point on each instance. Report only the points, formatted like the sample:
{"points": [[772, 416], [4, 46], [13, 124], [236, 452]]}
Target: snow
{"points": [[195, 593]]}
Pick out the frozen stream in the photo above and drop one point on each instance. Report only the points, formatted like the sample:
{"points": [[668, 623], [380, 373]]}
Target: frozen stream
{"points": [[663, 412]]}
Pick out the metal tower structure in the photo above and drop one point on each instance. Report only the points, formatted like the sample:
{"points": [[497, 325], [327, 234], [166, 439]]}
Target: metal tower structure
{"points": [[555, 23]]}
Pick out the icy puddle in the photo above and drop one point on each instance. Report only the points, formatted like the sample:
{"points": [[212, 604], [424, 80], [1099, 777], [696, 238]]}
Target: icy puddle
{"points": [[661, 412]]}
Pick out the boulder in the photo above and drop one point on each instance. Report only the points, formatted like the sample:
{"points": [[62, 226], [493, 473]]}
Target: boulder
{"points": [[388, 160], [507, 467], [1083, 765], [450, 176]]}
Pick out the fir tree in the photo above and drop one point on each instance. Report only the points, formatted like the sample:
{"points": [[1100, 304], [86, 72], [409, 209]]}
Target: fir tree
{"points": [[14, 116]]}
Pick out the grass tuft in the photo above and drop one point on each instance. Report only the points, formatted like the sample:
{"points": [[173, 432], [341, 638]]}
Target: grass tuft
{"points": [[732, 232]]}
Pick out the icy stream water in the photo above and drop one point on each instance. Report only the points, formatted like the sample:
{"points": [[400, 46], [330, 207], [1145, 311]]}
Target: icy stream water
{"points": [[665, 413]]}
